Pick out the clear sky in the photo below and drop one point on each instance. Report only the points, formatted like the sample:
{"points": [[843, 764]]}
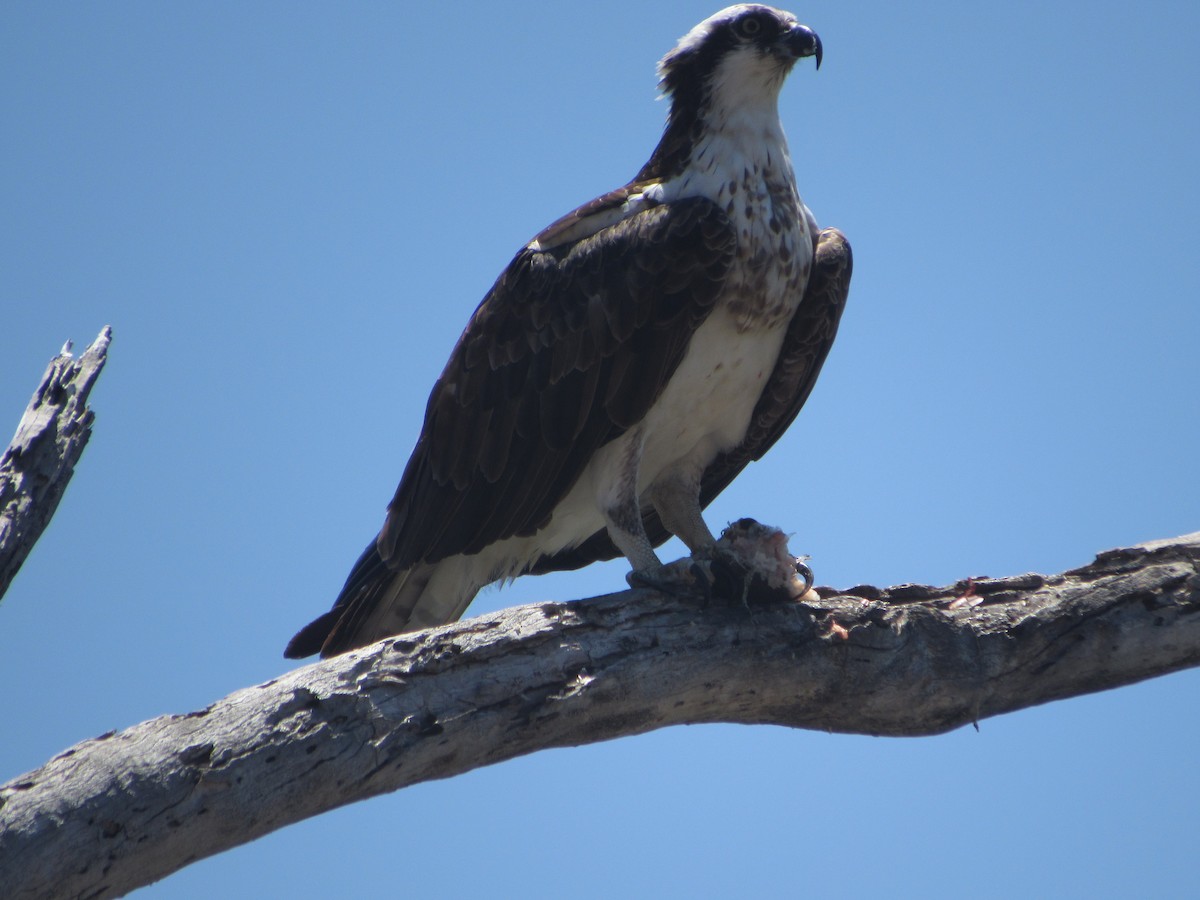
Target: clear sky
{"points": [[287, 213]]}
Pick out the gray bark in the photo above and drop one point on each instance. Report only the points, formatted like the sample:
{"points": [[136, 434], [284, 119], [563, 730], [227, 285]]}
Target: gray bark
{"points": [[39, 462], [127, 808]]}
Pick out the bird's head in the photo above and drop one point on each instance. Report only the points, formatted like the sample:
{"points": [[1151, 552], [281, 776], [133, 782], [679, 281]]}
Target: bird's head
{"points": [[740, 55]]}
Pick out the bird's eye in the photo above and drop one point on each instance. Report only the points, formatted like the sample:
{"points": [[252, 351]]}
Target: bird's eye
{"points": [[750, 27]]}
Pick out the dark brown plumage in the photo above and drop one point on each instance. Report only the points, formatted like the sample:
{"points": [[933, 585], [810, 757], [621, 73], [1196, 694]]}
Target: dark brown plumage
{"points": [[808, 342], [559, 433], [567, 351]]}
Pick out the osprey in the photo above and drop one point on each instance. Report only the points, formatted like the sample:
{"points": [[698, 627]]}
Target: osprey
{"points": [[629, 362]]}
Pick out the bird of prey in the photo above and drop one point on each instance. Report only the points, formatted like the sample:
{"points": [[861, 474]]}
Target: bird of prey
{"points": [[627, 364]]}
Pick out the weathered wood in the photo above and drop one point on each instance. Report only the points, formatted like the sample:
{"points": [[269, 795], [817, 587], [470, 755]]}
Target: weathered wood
{"points": [[126, 809], [39, 462]]}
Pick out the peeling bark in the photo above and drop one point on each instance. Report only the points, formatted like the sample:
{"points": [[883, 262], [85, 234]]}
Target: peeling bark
{"points": [[38, 464], [127, 808]]}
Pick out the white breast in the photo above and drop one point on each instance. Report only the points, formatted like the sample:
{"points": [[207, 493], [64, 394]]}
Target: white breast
{"points": [[706, 407]]}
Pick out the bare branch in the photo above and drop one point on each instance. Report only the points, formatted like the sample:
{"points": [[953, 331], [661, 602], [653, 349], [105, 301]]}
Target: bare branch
{"points": [[126, 809], [39, 462]]}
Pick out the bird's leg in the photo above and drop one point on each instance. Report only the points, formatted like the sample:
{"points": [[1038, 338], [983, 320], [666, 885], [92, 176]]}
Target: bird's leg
{"points": [[618, 501], [622, 509], [677, 499], [629, 534]]}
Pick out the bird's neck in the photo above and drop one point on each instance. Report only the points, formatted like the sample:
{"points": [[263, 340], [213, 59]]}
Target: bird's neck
{"points": [[722, 129]]}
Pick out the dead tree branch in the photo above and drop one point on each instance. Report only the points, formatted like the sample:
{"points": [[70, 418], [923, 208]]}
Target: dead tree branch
{"points": [[125, 809], [39, 462]]}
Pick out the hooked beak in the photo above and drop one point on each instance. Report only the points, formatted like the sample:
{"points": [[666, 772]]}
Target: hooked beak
{"points": [[802, 41]]}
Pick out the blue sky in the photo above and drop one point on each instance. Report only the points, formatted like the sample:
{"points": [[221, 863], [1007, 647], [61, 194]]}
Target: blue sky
{"points": [[287, 213]]}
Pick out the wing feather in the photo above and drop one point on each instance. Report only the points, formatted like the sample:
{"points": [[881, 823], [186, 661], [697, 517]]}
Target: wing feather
{"points": [[806, 345], [570, 348]]}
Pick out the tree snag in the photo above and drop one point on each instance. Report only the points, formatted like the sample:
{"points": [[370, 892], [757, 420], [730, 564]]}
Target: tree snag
{"points": [[128, 808], [50, 438]]}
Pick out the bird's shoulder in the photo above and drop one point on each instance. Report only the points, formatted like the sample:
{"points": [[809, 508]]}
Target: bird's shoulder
{"points": [[589, 218], [625, 260]]}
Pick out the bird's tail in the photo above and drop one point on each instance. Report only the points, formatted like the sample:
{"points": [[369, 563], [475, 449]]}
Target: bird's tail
{"points": [[377, 602]]}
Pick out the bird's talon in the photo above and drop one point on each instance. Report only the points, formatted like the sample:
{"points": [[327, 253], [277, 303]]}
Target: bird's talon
{"points": [[674, 580], [641, 578], [806, 573]]}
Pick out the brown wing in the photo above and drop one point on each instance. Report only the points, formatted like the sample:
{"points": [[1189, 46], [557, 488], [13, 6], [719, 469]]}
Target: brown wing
{"points": [[809, 338], [569, 349]]}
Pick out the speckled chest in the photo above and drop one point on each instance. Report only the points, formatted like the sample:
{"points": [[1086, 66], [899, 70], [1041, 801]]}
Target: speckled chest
{"points": [[774, 249], [750, 178]]}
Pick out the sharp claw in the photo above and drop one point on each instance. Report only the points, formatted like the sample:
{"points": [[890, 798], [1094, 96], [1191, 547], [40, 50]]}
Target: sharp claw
{"points": [[669, 582], [806, 573], [636, 579]]}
